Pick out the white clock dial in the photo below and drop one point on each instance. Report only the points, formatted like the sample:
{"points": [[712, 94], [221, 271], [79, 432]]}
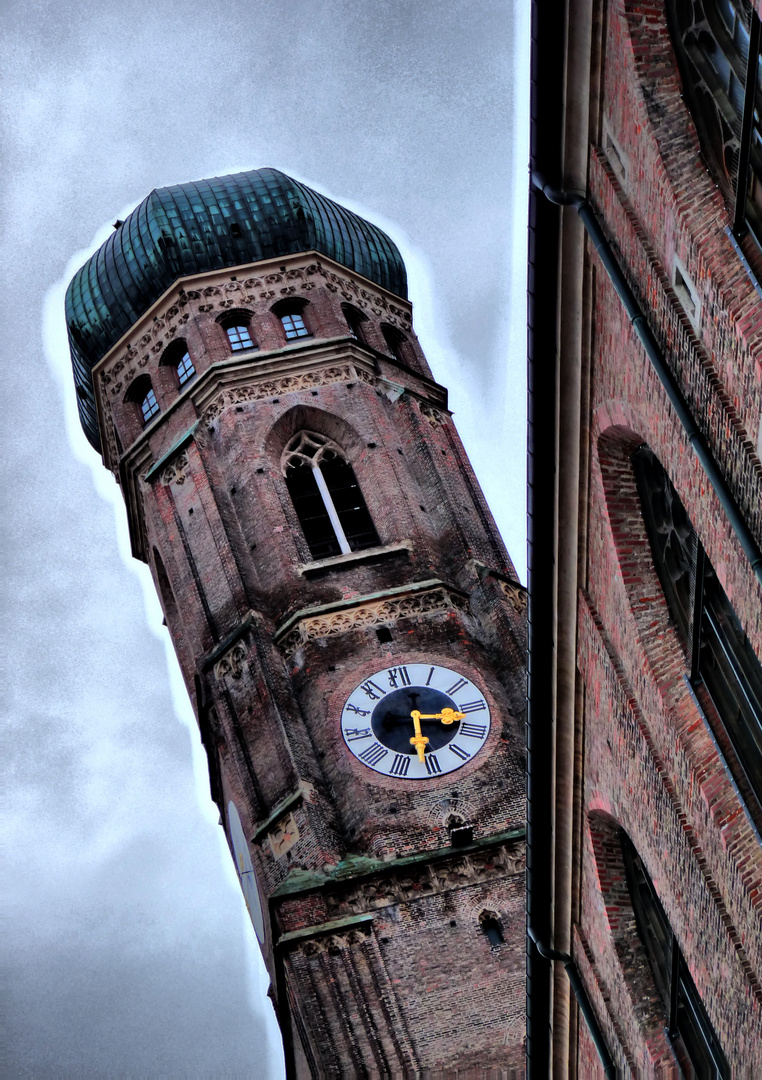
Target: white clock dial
{"points": [[246, 872], [415, 721]]}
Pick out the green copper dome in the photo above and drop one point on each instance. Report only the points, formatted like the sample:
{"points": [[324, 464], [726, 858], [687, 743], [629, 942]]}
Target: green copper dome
{"points": [[207, 225]]}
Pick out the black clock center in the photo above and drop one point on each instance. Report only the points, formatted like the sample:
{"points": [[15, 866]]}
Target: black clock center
{"points": [[392, 723]]}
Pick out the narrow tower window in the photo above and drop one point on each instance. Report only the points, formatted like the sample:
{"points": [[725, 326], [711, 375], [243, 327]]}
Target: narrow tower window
{"points": [[395, 341], [149, 406], [490, 924], [185, 369], [326, 497], [689, 1028], [355, 321], [722, 661]]}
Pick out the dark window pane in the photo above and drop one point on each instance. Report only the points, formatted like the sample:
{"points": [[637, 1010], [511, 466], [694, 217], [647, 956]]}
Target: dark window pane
{"points": [[311, 511], [350, 505]]}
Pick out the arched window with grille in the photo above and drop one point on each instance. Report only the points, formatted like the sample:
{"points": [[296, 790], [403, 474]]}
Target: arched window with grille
{"points": [[722, 663], [326, 497], [688, 1026], [141, 393], [177, 356], [717, 43]]}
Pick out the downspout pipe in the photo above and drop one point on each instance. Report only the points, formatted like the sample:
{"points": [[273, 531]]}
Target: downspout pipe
{"points": [[674, 393], [578, 989]]}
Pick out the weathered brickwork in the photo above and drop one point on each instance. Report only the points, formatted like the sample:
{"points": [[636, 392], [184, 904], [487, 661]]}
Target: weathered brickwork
{"points": [[374, 915], [651, 766]]}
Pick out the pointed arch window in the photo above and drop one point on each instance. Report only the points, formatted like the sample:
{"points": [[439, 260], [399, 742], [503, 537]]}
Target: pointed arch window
{"points": [[718, 49], [355, 320], [722, 661], [688, 1026], [178, 357], [326, 497]]}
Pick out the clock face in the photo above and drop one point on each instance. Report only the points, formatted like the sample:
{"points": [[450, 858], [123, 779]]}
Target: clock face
{"points": [[246, 872], [416, 721]]}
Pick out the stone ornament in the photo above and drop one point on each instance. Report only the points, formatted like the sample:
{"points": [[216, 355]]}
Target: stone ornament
{"points": [[265, 388], [372, 614], [177, 470], [283, 836], [434, 416], [332, 943], [231, 663], [412, 883], [516, 595]]}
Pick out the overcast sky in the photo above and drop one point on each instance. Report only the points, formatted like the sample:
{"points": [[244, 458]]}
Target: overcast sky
{"points": [[129, 953]]}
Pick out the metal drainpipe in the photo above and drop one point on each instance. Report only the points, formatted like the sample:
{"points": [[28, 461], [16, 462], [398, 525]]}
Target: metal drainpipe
{"points": [[674, 393]]}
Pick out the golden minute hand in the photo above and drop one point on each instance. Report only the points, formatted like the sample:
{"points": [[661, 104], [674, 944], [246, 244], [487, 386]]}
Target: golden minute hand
{"points": [[419, 740]]}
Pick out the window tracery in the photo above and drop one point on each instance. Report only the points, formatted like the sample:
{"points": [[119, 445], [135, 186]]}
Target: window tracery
{"points": [[326, 496]]}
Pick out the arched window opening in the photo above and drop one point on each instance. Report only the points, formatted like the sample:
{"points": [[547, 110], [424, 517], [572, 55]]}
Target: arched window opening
{"points": [[718, 49], [689, 1028], [326, 497], [395, 341], [239, 335], [355, 320], [178, 357], [492, 928], [142, 394], [721, 658]]}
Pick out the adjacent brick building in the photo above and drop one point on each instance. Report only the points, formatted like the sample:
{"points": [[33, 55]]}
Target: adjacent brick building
{"points": [[349, 625], [646, 496]]}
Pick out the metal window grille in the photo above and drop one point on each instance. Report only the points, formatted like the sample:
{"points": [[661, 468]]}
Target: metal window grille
{"points": [[721, 659], [688, 1025], [185, 369], [239, 337], [149, 406], [294, 327]]}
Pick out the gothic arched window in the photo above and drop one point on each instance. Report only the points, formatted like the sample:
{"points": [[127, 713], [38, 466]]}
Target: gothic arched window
{"points": [[491, 927], [689, 1028], [291, 315], [355, 320], [718, 49], [326, 497], [722, 661], [395, 341]]}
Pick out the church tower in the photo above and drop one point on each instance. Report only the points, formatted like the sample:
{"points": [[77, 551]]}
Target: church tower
{"points": [[347, 620]]}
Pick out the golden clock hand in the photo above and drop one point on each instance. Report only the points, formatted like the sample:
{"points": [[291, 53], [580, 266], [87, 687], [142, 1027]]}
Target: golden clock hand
{"points": [[447, 716], [418, 740]]}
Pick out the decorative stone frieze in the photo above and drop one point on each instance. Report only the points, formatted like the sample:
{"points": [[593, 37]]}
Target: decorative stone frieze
{"points": [[516, 595], [177, 470], [373, 613], [257, 389]]}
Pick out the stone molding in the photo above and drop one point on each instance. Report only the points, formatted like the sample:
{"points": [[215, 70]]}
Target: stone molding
{"points": [[177, 471], [425, 879], [231, 663], [369, 613], [516, 595], [255, 389]]}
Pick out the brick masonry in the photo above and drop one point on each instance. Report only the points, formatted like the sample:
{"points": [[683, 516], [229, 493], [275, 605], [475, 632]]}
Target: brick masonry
{"points": [[374, 933], [650, 766]]}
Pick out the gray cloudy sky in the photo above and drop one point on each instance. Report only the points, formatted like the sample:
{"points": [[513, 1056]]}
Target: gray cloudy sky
{"points": [[129, 954]]}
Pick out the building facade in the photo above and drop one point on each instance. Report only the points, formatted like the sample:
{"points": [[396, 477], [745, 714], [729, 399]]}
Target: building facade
{"points": [[645, 445], [348, 623]]}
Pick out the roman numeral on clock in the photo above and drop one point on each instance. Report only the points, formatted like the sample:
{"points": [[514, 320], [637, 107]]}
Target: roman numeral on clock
{"points": [[373, 754], [398, 676], [374, 692], [472, 706], [457, 686], [459, 751], [400, 765], [357, 733], [432, 765], [474, 731]]}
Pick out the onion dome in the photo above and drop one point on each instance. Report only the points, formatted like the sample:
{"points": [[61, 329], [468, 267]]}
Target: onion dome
{"points": [[208, 225]]}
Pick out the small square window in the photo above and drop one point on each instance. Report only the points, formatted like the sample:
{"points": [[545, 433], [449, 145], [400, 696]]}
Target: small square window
{"points": [[239, 338], [185, 370], [294, 326], [149, 406]]}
